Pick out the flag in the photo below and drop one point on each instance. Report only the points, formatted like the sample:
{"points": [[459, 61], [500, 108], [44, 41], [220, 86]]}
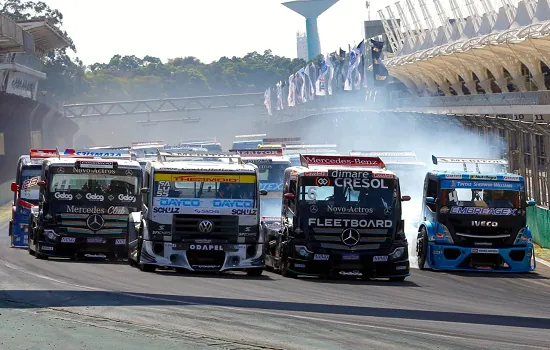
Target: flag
{"points": [[362, 65], [330, 65], [303, 85], [267, 100], [291, 91], [354, 59], [321, 83], [379, 70], [280, 105], [310, 89]]}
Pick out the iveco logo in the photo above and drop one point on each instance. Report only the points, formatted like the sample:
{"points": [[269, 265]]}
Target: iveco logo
{"points": [[206, 226], [95, 222], [485, 223], [350, 237]]}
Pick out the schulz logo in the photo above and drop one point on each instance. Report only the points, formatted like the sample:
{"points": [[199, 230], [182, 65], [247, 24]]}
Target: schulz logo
{"points": [[95, 222], [206, 226], [485, 223], [125, 198], [94, 197], [350, 237], [64, 196]]}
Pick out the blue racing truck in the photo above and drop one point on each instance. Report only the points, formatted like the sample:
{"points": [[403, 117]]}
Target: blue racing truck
{"points": [[247, 141], [474, 220], [25, 194]]}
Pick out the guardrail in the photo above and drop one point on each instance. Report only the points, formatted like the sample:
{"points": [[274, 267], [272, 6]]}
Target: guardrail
{"points": [[538, 219]]}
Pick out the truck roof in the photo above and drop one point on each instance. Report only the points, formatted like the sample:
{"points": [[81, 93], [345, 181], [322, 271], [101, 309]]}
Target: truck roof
{"points": [[202, 165], [122, 163], [460, 175], [322, 163]]}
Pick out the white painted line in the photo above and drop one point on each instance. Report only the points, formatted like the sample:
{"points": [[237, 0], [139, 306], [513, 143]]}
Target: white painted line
{"points": [[542, 261]]}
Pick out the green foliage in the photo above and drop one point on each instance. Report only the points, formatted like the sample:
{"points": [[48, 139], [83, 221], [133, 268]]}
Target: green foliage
{"points": [[131, 77]]}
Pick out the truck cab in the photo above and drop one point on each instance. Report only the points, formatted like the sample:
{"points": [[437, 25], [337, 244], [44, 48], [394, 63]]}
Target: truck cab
{"points": [[341, 216], [84, 205], [247, 141], [201, 213], [475, 220], [293, 151]]}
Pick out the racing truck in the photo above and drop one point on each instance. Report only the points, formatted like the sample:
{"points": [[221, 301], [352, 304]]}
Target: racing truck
{"points": [[201, 213], [293, 151], [210, 144], [25, 194], [141, 149], [85, 201], [247, 141], [341, 216], [474, 220]]}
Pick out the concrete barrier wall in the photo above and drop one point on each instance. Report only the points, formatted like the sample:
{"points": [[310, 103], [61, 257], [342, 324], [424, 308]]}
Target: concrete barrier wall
{"points": [[538, 219]]}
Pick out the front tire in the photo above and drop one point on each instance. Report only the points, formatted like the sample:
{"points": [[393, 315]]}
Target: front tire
{"points": [[422, 248], [285, 268], [143, 267], [255, 272]]}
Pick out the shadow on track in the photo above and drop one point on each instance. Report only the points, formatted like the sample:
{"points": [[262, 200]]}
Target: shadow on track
{"points": [[23, 299], [503, 275]]}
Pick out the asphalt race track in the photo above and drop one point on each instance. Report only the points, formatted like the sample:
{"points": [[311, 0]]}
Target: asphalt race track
{"points": [[63, 304]]}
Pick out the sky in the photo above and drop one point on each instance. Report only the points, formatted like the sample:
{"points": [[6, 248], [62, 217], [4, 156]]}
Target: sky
{"points": [[207, 29]]}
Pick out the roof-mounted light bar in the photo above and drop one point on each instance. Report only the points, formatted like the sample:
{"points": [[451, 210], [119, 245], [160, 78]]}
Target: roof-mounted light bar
{"points": [[310, 159], [382, 154], [464, 161], [251, 136], [282, 140], [43, 153], [122, 148], [312, 147], [145, 144], [235, 158], [259, 152]]}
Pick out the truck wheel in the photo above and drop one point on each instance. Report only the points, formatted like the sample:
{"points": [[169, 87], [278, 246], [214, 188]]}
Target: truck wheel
{"points": [[254, 272], [143, 267], [37, 253], [422, 249], [10, 229], [285, 271]]}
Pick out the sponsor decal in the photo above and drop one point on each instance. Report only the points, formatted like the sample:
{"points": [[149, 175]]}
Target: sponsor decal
{"points": [[90, 153], [350, 223], [453, 176], [342, 160], [348, 210], [511, 178], [383, 176], [401, 267], [380, 258], [90, 164], [120, 241], [484, 243], [126, 198], [354, 174], [485, 223], [118, 211], [94, 171], [206, 211], [33, 181], [80, 210], [358, 183], [206, 247], [232, 203], [63, 196], [95, 197], [161, 233], [260, 152], [68, 239], [444, 210], [316, 173], [244, 212], [321, 257], [206, 267], [206, 178], [271, 218], [271, 187], [179, 202], [483, 211], [484, 251], [351, 273], [163, 189], [490, 185], [322, 181], [157, 210], [350, 257], [299, 265], [483, 177], [46, 248], [95, 240]]}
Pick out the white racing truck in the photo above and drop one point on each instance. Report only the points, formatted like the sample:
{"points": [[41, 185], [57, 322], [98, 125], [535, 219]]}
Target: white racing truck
{"points": [[201, 212]]}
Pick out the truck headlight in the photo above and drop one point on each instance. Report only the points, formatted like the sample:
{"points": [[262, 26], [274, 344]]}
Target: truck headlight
{"points": [[302, 250], [523, 237], [447, 233], [397, 253], [50, 234]]}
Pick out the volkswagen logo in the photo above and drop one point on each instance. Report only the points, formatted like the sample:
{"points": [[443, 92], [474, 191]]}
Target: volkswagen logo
{"points": [[95, 222], [350, 237], [313, 209], [206, 226]]}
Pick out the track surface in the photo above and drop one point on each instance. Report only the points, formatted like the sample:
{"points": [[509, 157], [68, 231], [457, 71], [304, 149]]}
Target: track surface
{"points": [[65, 304]]}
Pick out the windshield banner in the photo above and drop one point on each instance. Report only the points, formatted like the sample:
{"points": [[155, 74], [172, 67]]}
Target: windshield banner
{"points": [[205, 178], [489, 185], [203, 206], [483, 211], [271, 187], [350, 223]]}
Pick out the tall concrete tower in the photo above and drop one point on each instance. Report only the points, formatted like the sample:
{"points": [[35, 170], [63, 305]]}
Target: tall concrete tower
{"points": [[311, 9]]}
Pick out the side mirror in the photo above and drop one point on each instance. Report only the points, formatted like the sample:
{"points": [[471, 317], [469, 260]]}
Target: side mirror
{"points": [[430, 200], [263, 193], [531, 202], [42, 183], [14, 187], [289, 195], [145, 190], [405, 198]]}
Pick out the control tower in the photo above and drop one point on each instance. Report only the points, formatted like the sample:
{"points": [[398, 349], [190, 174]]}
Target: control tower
{"points": [[311, 9]]}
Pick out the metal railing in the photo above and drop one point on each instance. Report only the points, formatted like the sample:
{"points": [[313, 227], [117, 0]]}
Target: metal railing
{"points": [[502, 99], [24, 59], [9, 29]]}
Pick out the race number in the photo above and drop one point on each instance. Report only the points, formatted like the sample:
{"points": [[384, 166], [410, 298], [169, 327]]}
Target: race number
{"points": [[312, 194], [163, 189], [453, 196]]}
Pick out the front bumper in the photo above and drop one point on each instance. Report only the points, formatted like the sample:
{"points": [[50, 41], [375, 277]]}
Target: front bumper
{"points": [[369, 264], [178, 255], [457, 258], [70, 246], [20, 236]]}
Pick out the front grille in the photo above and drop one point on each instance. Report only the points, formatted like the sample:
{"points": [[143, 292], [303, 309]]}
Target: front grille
{"points": [[187, 227], [76, 224], [469, 236], [331, 238]]}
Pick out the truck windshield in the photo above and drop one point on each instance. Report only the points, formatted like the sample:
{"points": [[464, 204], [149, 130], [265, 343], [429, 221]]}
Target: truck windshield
{"points": [[379, 194], [271, 174], [228, 186], [94, 183], [457, 194], [29, 187]]}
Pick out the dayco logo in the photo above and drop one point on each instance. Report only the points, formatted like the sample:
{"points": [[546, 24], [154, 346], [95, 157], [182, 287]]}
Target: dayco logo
{"points": [[485, 223], [232, 203], [350, 223], [118, 211], [349, 210], [125, 198], [217, 247], [168, 202], [95, 197], [61, 195]]}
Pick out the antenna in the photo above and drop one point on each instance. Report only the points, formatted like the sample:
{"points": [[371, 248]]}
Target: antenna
{"points": [[444, 19], [409, 36], [490, 11], [428, 19], [420, 34], [474, 14], [389, 33], [459, 18]]}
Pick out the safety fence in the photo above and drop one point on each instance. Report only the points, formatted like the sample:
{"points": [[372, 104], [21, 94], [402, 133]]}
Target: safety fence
{"points": [[538, 219]]}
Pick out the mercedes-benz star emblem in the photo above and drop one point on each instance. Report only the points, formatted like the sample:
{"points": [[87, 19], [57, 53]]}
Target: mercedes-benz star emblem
{"points": [[95, 222], [60, 170], [387, 211], [313, 209], [206, 226], [129, 172], [350, 237]]}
